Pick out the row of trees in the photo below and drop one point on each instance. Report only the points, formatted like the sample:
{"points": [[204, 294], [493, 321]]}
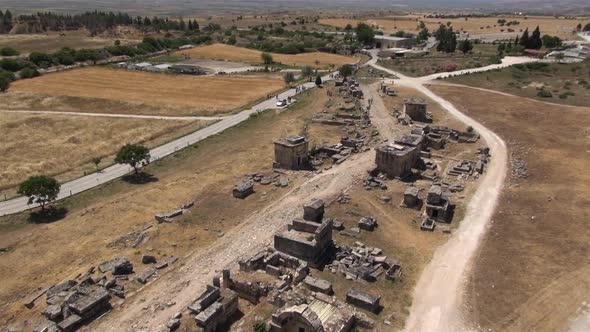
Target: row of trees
{"points": [[95, 21]]}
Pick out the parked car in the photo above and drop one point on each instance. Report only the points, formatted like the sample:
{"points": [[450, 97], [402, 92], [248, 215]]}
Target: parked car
{"points": [[282, 102]]}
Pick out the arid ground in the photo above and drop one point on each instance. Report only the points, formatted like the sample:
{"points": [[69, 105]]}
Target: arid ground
{"points": [[533, 263], [191, 95]]}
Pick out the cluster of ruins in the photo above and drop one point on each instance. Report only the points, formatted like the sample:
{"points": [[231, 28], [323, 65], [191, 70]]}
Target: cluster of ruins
{"points": [[304, 302], [78, 301]]}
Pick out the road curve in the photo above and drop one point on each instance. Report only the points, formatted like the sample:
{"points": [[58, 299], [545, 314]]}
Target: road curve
{"points": [[113, 172], [438, 295]]}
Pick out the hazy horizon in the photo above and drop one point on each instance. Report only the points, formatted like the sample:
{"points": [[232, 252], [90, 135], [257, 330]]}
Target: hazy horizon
{"points": [[175, 7]]}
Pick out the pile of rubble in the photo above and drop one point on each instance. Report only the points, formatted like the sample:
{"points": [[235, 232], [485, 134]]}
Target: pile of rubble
{"points": [[375, 182], [363, 263], [519, 168]]}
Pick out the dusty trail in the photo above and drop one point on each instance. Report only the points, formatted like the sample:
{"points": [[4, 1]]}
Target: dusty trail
{"points": [[438, 296], [181, 285]]}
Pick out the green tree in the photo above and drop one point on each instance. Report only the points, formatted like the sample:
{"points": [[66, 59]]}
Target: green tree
{"points": [[8, 51], [232, 40], [535, 41], [267, 58], [447, 40], [318, 80], [551, 41], [345, 71], [586, 27], [29, 73], [306, 71], [289, 77], [4, 84], [423, 35], [134, 155], [365, 34], [96, 161], [40, 190], [39, 58], [6, 78], [524, 39], [466, 46]]}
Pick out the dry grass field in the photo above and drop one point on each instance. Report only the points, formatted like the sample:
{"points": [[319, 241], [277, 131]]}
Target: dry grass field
{"points": [[52, 42], [566, 83], [484, 25], [193, 95], [240, 54], [531, 272], [64, 146]]}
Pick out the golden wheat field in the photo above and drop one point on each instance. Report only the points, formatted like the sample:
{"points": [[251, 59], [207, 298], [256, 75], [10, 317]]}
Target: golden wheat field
{"points": [[240, 54], [482, 25], [202, 95]]}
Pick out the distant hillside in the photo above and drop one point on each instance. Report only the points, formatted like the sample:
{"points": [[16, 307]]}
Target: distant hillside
{"points": [[177, 7]]}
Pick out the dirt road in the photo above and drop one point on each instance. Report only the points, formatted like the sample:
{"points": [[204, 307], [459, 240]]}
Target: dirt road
{"points": [[153, 306], [438, 296]]}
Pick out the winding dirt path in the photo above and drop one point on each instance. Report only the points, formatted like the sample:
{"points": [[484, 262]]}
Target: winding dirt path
{"points": [[438, 296]]}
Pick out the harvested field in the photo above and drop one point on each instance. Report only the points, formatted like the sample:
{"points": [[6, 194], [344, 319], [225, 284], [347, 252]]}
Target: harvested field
{"points": [[478, 25], [531, 272], [193, 95], [65, 145], [240, 54]]}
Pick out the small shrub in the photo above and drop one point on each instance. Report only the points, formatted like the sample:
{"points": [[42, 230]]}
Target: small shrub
{"points": [[544, 94]]}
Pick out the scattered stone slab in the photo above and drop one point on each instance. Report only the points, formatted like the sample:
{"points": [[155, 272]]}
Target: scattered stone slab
{"points": [[148, 259], [367, 223], [318, 285], [70, 324], [363, 300], [144, 275]]}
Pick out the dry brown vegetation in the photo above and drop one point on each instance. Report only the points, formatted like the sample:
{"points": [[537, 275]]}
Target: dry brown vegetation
{"points": [[191, 95], [482, 25], [240, 54], [52, 42], [531, 272], [65, 145]]}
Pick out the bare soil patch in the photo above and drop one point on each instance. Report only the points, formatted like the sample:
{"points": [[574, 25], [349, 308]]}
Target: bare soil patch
{"points": [[240, 54], [191, 95], [531, 269]]}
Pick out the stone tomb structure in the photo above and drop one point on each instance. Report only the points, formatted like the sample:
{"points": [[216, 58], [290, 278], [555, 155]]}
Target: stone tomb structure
{"points": [[292, 153], [397, 160], [301, 242], [416, 110]]}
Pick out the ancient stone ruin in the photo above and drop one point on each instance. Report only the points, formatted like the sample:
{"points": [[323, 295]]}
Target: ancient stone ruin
{"points": [[416, 110], [292, 153], [243, 189], [307, 241], [213, 308], [397, 160]]}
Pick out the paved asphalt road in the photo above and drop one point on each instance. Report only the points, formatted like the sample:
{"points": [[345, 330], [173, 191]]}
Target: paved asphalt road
{"points": [[108, 174]]}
